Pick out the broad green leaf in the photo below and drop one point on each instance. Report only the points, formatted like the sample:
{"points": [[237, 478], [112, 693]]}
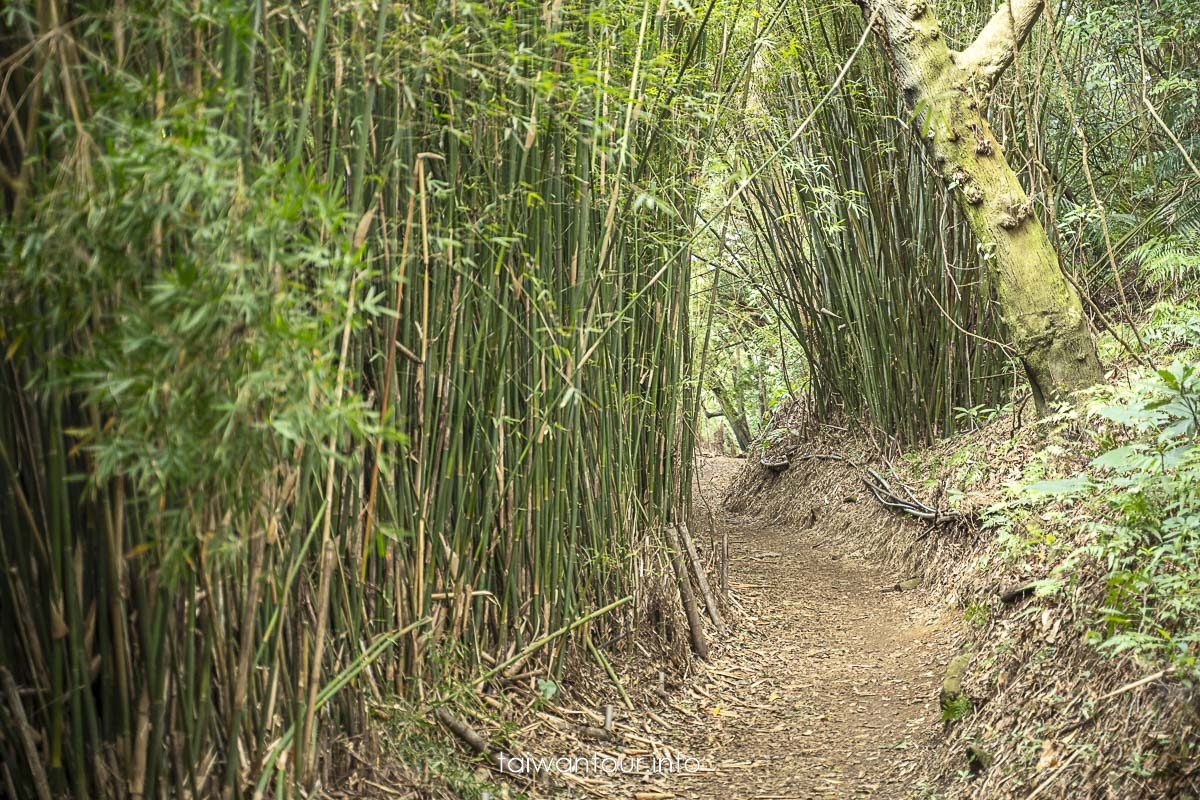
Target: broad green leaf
{"points": [[1120, 459], [1065, 486]]}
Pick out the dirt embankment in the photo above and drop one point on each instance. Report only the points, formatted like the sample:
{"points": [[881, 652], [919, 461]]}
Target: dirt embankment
{"points": [[1043, 713]]}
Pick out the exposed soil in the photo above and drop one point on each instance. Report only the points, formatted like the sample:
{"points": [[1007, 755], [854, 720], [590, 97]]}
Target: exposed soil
{"points": [[826, 685], [829, 685]]}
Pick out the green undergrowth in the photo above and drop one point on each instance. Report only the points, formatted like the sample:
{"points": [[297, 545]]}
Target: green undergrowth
{"points": [[1079, 582], [1100, 506], [427, 759]]}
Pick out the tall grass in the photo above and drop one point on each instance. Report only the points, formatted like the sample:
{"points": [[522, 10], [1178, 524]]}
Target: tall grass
{"points": [[346, 345], [874, 271]]}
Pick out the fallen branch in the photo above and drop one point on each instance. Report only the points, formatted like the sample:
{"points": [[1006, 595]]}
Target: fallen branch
{"points": [[695, 627], [777, 465], [886, 495], [883, 492], [538, 644], [1162, 673], [473, 738], [1068, 761], [585, 731], [1017, 592], [1129, 687], [710, 601]]}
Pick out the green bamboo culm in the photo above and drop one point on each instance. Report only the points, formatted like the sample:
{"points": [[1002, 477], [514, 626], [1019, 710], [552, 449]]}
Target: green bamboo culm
{"points": [[345, 352], [866, 256]]}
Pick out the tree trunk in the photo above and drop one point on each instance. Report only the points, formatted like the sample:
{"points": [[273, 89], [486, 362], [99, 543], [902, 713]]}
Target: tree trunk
{"points": [[948, 92], [737, 422]]}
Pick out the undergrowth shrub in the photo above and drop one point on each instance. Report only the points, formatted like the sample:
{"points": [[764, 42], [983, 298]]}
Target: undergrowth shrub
{"points": [[1171, 259], [1111, 493], [1140, 497], [1151, 549]]}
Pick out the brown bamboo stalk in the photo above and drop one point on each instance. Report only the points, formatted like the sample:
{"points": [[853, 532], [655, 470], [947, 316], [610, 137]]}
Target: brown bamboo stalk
{"points": [[387, 376], [25, 733], [695, 626], [710, 601]]}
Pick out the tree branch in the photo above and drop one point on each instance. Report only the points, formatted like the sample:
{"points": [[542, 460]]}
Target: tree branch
{"points": [[997, 44]]}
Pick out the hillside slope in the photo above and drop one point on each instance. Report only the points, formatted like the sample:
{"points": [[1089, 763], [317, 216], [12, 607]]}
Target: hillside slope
{"points": [[1070, 546]]}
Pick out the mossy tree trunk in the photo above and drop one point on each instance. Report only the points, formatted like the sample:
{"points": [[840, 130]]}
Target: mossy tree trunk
{"points": [[735, 417], [948, 92]]}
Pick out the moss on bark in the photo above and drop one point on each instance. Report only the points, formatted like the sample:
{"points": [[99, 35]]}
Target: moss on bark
{"points": [[948, 92]]}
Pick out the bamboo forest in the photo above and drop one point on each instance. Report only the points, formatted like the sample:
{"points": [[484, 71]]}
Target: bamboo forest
{"points": [[620, 399]]}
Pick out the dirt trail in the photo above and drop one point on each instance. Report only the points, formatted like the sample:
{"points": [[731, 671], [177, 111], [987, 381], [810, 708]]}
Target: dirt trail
{"points": [[828, 689]]}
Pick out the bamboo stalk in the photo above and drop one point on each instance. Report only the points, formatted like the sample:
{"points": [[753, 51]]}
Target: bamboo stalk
{"points": [[710, 600], [541, 642], [695, 626], [305, 758], [25, 733], [524, 406], [608, 670]]}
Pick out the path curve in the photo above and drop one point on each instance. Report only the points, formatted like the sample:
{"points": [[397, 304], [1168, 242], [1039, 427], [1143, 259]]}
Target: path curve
{"points": [[829, 687]]}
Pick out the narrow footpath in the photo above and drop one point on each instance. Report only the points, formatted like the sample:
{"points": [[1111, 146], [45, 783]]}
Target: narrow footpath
{"points": [[828, 689]]}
